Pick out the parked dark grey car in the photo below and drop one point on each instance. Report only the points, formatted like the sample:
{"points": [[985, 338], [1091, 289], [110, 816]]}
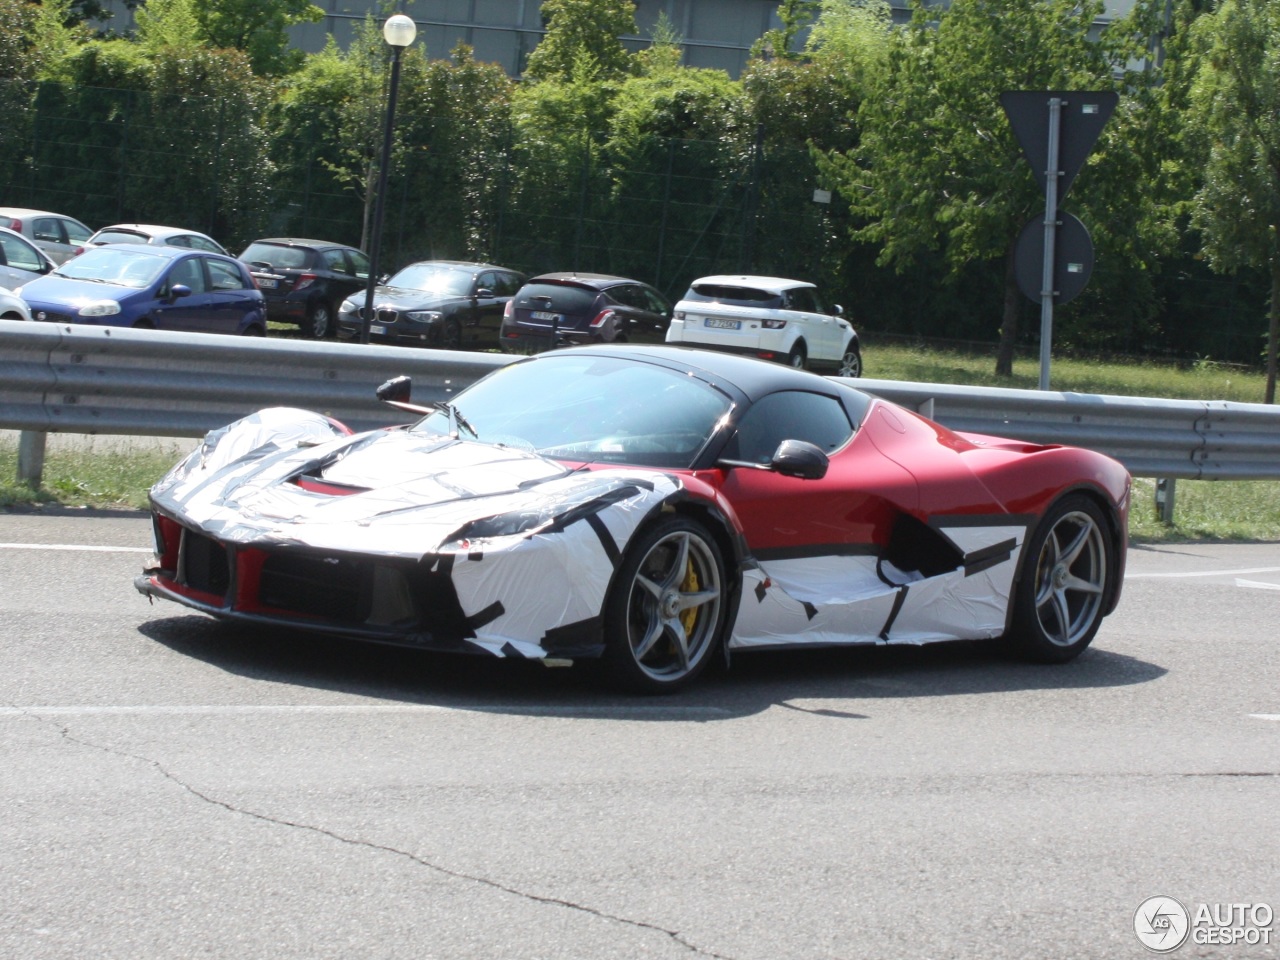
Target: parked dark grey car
{"points": [[304, 281], [561, 308], [435, 303]]}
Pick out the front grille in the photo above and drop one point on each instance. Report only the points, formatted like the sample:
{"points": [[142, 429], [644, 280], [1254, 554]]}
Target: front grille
{"points": [[385, 315], [334, 588], [203, 564], [48, 316]]}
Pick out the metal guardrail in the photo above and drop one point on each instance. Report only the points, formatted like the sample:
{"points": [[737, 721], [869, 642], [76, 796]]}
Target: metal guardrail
{"points": [[72, 379]]}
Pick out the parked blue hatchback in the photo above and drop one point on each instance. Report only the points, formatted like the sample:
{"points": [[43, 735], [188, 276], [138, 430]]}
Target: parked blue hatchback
{"points": [[150, 287]]}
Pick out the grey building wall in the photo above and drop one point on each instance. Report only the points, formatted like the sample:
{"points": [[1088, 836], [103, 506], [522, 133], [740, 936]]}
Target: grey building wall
{"points": [[717, 33]]}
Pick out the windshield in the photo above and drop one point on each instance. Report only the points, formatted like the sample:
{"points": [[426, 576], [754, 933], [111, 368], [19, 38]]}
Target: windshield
{"points": [[444, 281], [134, 268], [590, 409]]}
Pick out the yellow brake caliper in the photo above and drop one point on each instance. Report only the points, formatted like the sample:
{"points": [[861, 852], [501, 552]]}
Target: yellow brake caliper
{"points": [[690, 585]]}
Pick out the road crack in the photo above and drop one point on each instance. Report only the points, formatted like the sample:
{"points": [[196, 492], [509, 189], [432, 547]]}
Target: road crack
{"points": [[673, 935]]}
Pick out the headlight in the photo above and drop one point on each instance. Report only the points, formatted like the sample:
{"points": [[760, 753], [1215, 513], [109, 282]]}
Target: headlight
{"points": [[100, 308], [504, 525], [424, 316]]}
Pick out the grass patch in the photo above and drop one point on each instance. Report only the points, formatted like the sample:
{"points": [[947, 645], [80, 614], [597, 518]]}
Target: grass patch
{"points": [[93, 473]]}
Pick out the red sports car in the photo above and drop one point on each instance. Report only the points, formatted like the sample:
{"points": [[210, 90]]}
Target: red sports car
{"points": [[649, 506]]}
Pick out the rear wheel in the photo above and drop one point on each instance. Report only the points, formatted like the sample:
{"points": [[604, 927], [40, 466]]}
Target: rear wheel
{"points": [[319, 322], [1067, 576], [666, 609], [799, 356]]}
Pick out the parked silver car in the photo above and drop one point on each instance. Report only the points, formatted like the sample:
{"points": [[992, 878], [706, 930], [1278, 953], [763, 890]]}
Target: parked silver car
{"points": [[152, 233], [20, 260], [58, 235]]}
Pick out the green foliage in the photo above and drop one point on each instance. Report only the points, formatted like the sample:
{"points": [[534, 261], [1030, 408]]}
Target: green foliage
{"points": [[583, 38], [259, 28], [794, 15]]}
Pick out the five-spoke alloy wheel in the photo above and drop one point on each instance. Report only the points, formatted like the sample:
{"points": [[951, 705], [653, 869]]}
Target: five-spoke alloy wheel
{"points": [[667, 607], [1066, 582]]}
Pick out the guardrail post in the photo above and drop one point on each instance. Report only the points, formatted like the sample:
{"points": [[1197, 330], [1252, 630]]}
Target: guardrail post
{"points": [[31, 457], [1164, 498]]}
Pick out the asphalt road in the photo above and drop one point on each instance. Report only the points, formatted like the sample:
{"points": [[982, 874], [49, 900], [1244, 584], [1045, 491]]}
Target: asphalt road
{"points": [[172, 787]]}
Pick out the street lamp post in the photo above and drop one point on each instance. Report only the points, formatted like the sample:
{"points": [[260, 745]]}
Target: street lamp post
{"points": [[399, 32]]}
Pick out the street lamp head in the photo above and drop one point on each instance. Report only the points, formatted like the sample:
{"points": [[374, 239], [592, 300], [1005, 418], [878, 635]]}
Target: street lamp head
{"points": [[399, 30]]}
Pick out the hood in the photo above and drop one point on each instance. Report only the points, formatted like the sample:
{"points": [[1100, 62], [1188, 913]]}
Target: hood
{"points": [[66, 292], [388, 492], [407, 298]]}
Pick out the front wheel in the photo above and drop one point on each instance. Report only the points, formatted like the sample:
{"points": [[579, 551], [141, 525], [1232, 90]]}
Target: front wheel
{"points": [[451, 336], [851, 363], [1067, 576], [667, 607], [798, 356]]}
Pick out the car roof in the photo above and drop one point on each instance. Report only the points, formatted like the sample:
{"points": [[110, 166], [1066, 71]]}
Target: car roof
{"points": [[467, 264], [769, 284], [152, 229], [599, 281], [303, 242], [160, 250], [28, 212], [754, 377]]}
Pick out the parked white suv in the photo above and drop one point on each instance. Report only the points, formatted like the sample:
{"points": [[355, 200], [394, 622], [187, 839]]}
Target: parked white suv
{"points": [[767, 317]]}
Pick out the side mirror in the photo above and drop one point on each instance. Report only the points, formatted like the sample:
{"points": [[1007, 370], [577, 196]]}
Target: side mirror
{"points": [[395, 390], [799, 458], [837, 310], [178, 291], [484, 293]]}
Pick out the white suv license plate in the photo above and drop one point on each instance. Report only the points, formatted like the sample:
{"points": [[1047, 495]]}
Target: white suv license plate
{"points": [[720, 324]]}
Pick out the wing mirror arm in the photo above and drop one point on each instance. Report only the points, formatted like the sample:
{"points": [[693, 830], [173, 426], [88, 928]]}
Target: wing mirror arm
{"points": [[396, 392], [793, 458]]}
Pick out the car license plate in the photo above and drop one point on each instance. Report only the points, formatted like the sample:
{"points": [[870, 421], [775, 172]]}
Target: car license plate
{"points": [[720, 324], [377, 328], [543, 315], [267, 283]]}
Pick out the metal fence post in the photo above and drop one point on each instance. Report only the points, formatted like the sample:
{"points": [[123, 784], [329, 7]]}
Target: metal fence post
{"points": [[1165, 498], [31, 456]]}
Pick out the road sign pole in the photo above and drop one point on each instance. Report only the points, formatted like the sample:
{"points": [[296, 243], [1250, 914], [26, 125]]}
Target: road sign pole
{"points": [[1047, 292]]}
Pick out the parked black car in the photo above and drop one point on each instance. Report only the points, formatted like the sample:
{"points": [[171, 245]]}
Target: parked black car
{"points": [[560, 308], [305, 280], [435, 303]]}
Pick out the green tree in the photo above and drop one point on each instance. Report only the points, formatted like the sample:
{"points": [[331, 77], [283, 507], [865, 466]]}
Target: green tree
{"points": [[1236, 109], [580, 30], [938, 171], [259, 28], [794, 15]]}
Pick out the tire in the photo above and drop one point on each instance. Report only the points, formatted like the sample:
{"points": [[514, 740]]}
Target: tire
{"points": [[850, 364], [666, 609], [798, 358], [255, 331], [319, 322], [1068, 575], [451, 336]]}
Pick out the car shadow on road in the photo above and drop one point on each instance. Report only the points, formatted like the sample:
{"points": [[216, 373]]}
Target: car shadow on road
{"points": [[847, 681]]}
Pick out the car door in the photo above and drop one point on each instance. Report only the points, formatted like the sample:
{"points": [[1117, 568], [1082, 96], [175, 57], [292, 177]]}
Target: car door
{"points": [[60, 237], [194, 312], [340, 275], [822, 333], [484, 321], [232, 297], [20, 261]]}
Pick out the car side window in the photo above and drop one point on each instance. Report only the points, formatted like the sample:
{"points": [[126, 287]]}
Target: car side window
{"points": [[789, 415], [178, 241], [360, 263], [224, 275], [17, 254], [508, 284], [200, 243], [48, 229], [802, 299], [335, 260], [488, 281], [188, 273], [655, 304], [76, 233]]}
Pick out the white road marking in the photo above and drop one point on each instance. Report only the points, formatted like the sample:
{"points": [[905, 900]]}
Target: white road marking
{"points": [[80, 547], [1257, 584], [1265, 716], [1199, 573], [349, 709]]}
